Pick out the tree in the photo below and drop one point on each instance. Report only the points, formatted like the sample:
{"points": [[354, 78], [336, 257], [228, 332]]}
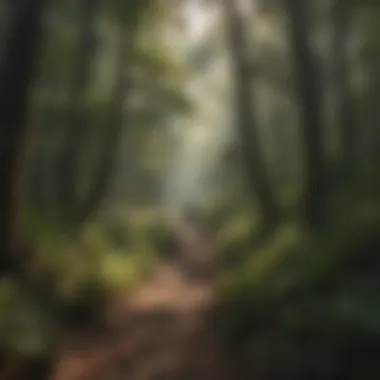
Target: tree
{"points": [[308, 94], [341, 18], [82, 205], [78, 131], [370, 61], [21, 54], [247, 130]]}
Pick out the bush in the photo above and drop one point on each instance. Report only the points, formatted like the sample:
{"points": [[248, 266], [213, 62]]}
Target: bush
{"points": [[156, 232], [306, 297]]}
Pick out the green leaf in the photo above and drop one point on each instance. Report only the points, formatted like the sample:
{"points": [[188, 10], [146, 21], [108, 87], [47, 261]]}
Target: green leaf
{"points": [[153, 58]]}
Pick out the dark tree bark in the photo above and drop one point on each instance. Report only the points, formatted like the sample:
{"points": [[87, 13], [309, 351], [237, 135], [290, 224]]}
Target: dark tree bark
{"points": [[370, 131], [84, 207], [22, 47], [308, 94], [257, 174], [77, 134], [346, 106], [112, 131]]}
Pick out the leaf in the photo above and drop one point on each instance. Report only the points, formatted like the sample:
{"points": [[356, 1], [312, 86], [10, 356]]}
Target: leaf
{"points": [[156, 103], [153, 58]]}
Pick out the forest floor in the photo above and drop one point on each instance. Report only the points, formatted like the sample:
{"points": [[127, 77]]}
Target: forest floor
{"points": [[162, 330]]}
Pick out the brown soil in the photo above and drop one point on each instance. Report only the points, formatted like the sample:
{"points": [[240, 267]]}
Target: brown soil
{"points": [[163, 330]]}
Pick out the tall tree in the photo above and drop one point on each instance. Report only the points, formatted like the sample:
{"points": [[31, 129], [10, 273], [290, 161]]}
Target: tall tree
{"points": [[82, 206], [21, 54], [309, 100], [77, 133], [246, 119], [116, 122], [341, 18], [370, 59]]}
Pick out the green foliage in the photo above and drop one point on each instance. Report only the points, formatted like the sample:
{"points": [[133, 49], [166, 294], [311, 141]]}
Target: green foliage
{"points": [[81, 275], [235, 239], [24, 327], [307, 294], [297, 296], [234, 224], [154, 229], [155, 60], [126, 12]]}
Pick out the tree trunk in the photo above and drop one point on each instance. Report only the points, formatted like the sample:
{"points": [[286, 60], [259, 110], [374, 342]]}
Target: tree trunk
{"points": [[112, 130], [77, 134], [345, 102], [247, 127], [307, 91], [16, 79], [82, 208]]}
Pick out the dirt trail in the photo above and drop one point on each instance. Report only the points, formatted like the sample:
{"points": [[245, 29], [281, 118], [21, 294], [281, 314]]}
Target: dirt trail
{"points": [[162, 331]]}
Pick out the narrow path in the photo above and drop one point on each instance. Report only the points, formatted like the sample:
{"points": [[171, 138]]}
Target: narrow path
{"points": [[162, 331]]}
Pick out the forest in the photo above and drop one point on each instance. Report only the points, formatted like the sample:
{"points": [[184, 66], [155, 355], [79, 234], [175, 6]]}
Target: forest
{"points": [[189, 189]]}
